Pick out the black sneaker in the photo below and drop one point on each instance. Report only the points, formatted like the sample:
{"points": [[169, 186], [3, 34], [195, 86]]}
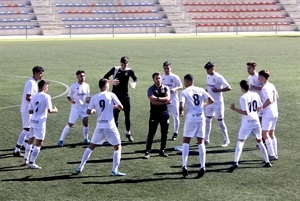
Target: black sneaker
{"points": [[174, 138], [273, 158], [184, 172], [18, 154], [233, 167], [147, 155], [200, 173], [129, 137], [267, 165], [162, 153]]}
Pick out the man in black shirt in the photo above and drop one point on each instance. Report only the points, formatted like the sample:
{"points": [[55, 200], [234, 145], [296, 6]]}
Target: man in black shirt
{"points": [[120, 81], [159, 96]]}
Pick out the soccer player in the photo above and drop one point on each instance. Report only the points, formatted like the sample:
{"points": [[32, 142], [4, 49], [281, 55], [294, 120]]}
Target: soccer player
{"points": [[269, 114], [30, 89], [193, 98], [159, 96], [255, 86], [174, 83], [79, 97], [120, 81], [103, 104], [215, 86], [40, 105], [250, 103]]}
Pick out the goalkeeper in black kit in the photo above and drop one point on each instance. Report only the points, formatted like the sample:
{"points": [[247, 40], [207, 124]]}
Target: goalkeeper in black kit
{"points": [[120, 81]]}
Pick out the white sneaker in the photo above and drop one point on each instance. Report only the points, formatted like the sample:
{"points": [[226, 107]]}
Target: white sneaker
{"points": [[34, 166], [79, 169], [226, 143]]}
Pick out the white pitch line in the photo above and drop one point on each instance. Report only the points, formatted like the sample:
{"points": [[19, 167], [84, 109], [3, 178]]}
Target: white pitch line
{"points": [[60, 95]]}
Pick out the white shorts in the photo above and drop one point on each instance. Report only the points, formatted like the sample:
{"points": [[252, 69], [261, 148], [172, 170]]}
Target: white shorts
{"points": [[173, 110], [102, 135], [268, 123], [77, 112], [25, 116], [215, 110], [194, 129], [37, 133], [245, 131]]}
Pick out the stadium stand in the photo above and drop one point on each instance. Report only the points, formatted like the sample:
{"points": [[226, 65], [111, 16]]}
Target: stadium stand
{"points": [[55, 17]]}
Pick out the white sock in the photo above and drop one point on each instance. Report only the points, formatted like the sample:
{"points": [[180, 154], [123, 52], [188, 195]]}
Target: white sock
{"points": [[207, 128], [34, 154], [116, 160], [202, 155], [176, 121], [21, 139], [85, 132], [127, 132], [263, 151], [27, 151], [86, 155], [274, 143], [224, 130], [270, 147], [185, 154], [65, 132], [238, 151]]}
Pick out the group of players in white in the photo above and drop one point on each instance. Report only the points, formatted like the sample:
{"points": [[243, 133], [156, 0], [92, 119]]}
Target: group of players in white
{"points": [[258, 109]]}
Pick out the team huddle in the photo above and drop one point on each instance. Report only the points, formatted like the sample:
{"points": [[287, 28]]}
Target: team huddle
{"points": [[258, 107]]}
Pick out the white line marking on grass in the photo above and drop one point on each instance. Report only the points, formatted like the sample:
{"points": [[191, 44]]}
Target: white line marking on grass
{"points": [[60, 95]]}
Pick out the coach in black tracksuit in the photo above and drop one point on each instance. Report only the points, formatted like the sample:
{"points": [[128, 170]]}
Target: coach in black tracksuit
{"points": [[120, 83], [159, 96]]}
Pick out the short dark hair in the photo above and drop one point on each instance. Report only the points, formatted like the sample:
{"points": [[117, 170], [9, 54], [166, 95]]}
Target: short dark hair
{"points": [[37, 69], [155, 74], [188, 77], [209, 65], [42, 83], [264, 73], [124, 60], [79, 72], [252, 64], [245, 85], [102, 82], [166, 63]]}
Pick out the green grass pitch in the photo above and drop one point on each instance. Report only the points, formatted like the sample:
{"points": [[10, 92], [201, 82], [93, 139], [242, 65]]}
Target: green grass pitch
{"points": [[157, 178]]}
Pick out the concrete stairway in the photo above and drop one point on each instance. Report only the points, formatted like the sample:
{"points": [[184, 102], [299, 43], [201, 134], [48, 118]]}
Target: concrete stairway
{"points": [[177, 16]]}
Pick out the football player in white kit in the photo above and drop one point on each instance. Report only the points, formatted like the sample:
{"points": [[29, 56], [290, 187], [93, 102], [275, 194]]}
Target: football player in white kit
{"points": [[251, 104], [194, 99], [174, 83], [215, 86], [40, 105], [103, 104], [269, 114], [30, 89], [255, 86], [79, 97]]}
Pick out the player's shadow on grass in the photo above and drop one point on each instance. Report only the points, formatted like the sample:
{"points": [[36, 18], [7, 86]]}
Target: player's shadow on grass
{"points": [[106, 160], [130, 181], [12, 168], [52, 178]]}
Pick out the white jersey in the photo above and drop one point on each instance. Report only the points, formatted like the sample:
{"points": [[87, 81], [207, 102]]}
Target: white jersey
{"points": [[216, 81], [31, 88], [172, 81], [79, 93], [193, 97], [40, 103], [250, 102], [253, 81], [103, 102], [269, 92]]}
